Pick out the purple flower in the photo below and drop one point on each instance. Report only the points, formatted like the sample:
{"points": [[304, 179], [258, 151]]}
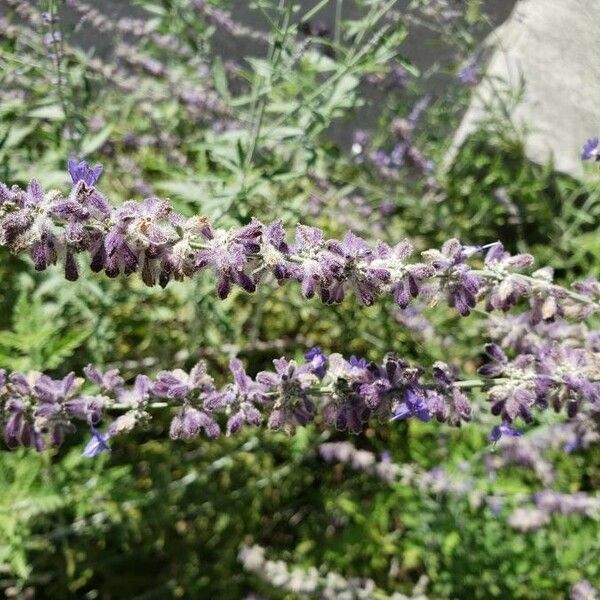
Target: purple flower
{"points": [[405, 279], [386, 385], [359, 363], [346, 412], [87, 408], [469, 74], [53, 398], [58, 399], [228, 254], [511, 286], [240, 397], [178, 384], [188, 423], [457, 279], [504, 430], [74, 209], [317, 361], [110, 381], [115, 253], [49, 18], [290, 385], [143, 234], [572, 445], [576, 377], [366, 280], [345, 407], [591, 150], [584, 590], [400, 375], [97, 444], [18, 430], [318, 266], [138, 395], [246, 413], [275, 251], [413, 406], [498, 364], [82, 171], [245, 388], [52, 38], [399, 75], [53, 391]]}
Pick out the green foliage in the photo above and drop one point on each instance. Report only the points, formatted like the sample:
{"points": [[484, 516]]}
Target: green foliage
{"points": [[40, 337]]}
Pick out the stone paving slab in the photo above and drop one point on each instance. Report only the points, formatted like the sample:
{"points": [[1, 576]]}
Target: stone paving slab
{"points": [[550, 50]]}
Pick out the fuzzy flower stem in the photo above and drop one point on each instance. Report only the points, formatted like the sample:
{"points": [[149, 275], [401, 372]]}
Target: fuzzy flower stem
{"points": [[121, 406], [580, 298], [151, 238], [37, 411]]}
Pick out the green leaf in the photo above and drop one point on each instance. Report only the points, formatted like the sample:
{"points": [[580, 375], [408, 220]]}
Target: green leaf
{"points": [[92, 143], [220, 78], [60, 348], [261, 67], [190, 191], [17, 134], [52, 112]]}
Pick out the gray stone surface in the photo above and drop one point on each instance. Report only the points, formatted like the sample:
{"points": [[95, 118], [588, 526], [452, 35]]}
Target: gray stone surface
{"points": [[550, 50]]}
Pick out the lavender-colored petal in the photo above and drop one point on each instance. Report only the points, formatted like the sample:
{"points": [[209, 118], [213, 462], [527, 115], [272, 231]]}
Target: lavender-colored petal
{"points": [[82, 171], [97, 444], [590, 149]]}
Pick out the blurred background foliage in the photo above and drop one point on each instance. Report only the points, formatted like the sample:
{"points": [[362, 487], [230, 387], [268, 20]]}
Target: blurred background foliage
{"points": [[269, 130]]}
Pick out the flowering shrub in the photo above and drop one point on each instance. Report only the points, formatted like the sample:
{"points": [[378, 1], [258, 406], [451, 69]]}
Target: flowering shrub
{"points": [[310, 362]]}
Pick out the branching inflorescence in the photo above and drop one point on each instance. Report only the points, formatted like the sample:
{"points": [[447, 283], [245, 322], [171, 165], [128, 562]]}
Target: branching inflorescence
{"points": [[149, 237]]}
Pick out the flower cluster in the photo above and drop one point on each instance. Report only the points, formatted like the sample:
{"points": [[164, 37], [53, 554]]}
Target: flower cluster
{"points": [[517, 334], [548, 503], [312, 583], [405, 151], [529, 513], [223, 20], [37, 410], [578, 503], [360, 460], [528, 451], [138, 28], [561, 377], [342, 393], [150, 238], [583, 590]]}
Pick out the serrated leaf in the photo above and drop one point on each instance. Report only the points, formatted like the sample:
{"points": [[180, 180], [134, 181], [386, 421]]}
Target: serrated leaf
{"points": [[58, 349], [10, 340]]}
